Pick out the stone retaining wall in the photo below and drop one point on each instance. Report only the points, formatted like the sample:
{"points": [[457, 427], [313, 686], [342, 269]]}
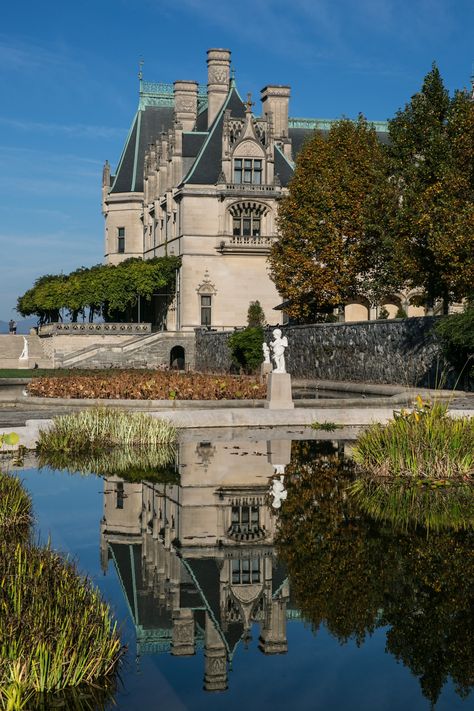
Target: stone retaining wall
{"points": [[398, 351]]}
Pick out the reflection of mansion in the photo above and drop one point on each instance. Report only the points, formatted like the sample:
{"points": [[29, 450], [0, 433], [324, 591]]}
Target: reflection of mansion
{"points": [[196, 560], [200, 176]]}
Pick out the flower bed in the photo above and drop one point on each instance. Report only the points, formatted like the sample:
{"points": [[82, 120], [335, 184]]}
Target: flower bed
{"points": [[136, 385]]}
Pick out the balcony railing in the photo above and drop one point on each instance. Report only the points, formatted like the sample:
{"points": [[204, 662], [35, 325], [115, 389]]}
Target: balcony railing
{"points": [[245, 188]]}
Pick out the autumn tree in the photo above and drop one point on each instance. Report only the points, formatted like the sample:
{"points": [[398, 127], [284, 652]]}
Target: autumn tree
{"points": [[318, 259], [432, 162]]}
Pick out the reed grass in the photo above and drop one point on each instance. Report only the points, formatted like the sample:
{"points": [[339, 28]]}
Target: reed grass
{"points": [[55, 630], [430, 445], [15, 505], [129, 463], [99, 429], [415, 502], [418, 470]]}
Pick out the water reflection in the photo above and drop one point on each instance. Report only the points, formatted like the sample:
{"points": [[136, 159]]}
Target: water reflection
{"points": [[203, 558], [196, 559], [354, 575]]}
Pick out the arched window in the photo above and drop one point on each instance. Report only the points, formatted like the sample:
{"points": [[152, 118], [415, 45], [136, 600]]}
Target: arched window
{"points": [[247, 219]]}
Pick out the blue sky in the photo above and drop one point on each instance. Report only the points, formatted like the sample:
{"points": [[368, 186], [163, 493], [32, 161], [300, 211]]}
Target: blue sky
{"points": [[69, 90]]}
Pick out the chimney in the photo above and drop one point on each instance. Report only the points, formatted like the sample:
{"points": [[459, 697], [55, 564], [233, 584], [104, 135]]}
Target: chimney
{"points": [[218, 74], [185, 103], [275, 101]]}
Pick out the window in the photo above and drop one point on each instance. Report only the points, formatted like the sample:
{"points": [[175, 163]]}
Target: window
{"points": [[206, 310], [247, 225], [245, 571], [119, 494], [121, 240], [248, 171]]}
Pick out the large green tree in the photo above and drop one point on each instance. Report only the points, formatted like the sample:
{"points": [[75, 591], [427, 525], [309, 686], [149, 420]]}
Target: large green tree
{"points": [[105, 290], [318, 260], [432, 151]]}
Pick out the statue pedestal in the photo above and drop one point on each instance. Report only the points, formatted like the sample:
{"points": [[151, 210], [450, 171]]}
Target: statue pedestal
{"points": [[265, 370], [279, 392]]}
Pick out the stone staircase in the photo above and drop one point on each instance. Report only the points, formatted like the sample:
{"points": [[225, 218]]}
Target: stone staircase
{"points": [[11, 348], [150, 351]]}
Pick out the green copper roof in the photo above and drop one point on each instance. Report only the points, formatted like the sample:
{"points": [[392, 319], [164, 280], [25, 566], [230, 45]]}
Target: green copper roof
{"points": [[325, 124], [160, 94]]}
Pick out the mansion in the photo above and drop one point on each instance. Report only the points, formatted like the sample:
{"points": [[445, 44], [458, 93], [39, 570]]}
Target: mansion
{"points": [[200, 177]]}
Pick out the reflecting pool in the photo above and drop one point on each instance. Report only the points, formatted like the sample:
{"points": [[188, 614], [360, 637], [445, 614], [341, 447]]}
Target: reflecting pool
{"points": [[227, 602]]}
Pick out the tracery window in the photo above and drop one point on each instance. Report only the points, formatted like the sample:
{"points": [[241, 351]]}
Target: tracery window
{"points": [[245, 571]]}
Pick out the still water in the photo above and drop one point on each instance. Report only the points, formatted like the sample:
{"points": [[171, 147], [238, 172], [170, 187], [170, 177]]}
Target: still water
{"points": [[226, 602]]}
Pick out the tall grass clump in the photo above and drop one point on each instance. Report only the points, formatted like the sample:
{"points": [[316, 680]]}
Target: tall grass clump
{"points": [[418, 469], [424, 444], [102, 428], [129, 463], [55, 630], [15, 505]]}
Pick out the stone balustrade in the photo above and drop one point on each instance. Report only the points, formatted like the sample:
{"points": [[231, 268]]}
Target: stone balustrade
{"points": [[96, 329]]}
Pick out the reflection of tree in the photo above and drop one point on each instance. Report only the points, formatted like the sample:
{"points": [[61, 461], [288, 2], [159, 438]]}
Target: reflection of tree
{"points": [[353, 574]]}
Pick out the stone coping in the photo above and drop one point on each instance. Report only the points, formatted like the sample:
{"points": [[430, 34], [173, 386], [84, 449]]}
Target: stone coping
{"points": [[101, 329], [249, 418]]}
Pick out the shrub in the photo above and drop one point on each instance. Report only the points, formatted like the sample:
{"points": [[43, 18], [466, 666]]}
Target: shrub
{"points": [[456, 334], [246, 348], [401, 313]]}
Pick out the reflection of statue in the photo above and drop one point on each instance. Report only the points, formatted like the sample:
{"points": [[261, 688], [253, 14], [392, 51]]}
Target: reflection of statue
{"points": [[266, 353], [24, 353], [278, 490], [278, 346]]}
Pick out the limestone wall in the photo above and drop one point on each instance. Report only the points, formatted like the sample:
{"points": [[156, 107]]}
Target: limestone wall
{"points": [[397, 351]]}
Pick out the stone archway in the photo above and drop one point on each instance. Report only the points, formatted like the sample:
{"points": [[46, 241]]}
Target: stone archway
{"points": [[177, 358]]}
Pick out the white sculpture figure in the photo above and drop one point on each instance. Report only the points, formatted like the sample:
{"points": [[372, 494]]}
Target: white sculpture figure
{"points": [[24, 354], [277, 490], [266, 353], [278, 346]]}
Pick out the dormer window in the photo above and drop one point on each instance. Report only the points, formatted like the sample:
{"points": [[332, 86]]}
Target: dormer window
{"points": [[248, 171]]}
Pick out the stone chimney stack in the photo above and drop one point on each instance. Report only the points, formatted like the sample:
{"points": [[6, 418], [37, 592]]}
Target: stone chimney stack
{"points": [[275, 101], [185, 103], [218, 75]]}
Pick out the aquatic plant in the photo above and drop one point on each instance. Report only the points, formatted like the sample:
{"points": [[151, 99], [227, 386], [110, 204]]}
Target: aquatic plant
{"points": [[424, 443], [99, 429], [55, 629], [129, 463], [15, 505]]}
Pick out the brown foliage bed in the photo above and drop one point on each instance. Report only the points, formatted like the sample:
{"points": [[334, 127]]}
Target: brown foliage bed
{"points": [[136, 385]]}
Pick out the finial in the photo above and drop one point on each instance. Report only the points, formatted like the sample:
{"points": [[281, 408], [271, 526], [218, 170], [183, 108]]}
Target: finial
{"points": [[249, 103], [232, 75], [140, 68]]}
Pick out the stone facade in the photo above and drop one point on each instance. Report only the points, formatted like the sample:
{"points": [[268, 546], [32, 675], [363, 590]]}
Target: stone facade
{"points": [[196, 557], [400, 351], [200, 177]]}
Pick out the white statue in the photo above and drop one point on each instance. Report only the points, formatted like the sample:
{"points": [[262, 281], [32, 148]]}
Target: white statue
{"points": [[278, 491], [266, 353], [24, 354], [278, 346]]}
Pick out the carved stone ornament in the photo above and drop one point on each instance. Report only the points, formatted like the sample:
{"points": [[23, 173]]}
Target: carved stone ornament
{"points": [[206, 286], [249, 149], [184, 104], [218, 75]]}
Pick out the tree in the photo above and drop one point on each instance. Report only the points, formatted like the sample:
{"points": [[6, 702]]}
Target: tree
{"points": [[318, 259], [107, 290], [255, 315], [432, 152]]}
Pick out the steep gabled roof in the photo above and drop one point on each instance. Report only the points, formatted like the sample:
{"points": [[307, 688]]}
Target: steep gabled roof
{"points": [[208, 164], [147, 125]]}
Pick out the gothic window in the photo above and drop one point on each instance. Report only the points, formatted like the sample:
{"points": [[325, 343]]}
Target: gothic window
{"points": [[248, 171], [206, 306], [245, 571], [121, 240], [248, 219]]}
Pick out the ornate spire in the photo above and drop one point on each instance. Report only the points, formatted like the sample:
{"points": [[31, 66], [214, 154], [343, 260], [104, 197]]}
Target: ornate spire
{"points": [[249, 103]]}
